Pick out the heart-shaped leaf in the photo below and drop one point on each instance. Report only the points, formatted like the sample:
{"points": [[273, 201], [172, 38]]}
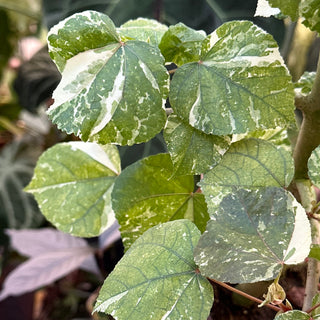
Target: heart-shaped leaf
{"points": [[252, 235], [113, 94], [249, 163], [80, 32], [72, 184], [157, 278], [144, 196], [142, 29], [240, 83], [192, 151]]}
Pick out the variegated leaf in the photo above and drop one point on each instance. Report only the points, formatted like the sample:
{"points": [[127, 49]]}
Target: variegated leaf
{"points": [[114, 94], [142, 29], [73, 183], [240, 83], [252, 235], [80, 32]]}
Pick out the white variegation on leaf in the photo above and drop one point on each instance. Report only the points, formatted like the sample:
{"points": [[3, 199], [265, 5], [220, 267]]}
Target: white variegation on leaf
{"points": [[181, 44], [192, 151], [266, 228], [294, 315], [80, 32], [157, 278], [73, 183], [249, 163], [143, 29], [240, 83], [265, 10], [146, 194], [314, 167], [115, 94]]}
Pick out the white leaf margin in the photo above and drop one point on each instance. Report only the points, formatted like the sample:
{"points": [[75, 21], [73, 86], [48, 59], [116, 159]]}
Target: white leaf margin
{"points": [[300, 242]]}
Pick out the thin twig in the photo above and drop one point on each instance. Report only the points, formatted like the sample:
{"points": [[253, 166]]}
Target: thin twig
{"points": [[248, 296]]}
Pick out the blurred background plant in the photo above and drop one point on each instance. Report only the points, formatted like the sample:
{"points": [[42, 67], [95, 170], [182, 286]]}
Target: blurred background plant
{"points": [[27, 80]]}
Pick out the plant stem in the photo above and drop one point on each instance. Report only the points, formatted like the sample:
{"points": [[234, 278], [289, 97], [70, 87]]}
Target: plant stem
{"points": [[308, 140], [248, 296], [309, 134]]}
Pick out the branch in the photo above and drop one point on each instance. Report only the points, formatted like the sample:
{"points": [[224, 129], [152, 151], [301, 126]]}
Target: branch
{"points": [[248, 296], [309, 135]]}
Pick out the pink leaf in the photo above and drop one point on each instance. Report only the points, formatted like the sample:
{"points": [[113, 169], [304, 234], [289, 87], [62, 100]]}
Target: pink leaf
{"points": [[44, 269]]}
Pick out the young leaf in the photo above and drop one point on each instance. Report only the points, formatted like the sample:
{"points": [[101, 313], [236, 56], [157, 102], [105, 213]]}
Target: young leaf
{"points": [[44, 269], [249, 163], [293, 315], [240, 83], [142, 29], [80, 32], [157, 278], [192, 151], [144, 196], [72, 184], [309, 9], [251, 236], [113, 94], [181, 44]]}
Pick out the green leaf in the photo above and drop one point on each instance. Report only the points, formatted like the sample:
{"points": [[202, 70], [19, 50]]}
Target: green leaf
{"points": [[144, 196], [249, 163], [192, 151], [314, 167], [240, 83], [305, 83], [181, 44], [315, 302], [309, 10], [142, 29], [80, 32], [114, 94], [293, 315], [315, 251], [72, 184], [289, 8], [252, 234], [157, 278]]}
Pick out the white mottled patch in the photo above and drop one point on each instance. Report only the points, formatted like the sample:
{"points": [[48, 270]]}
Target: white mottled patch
{"points": [[111, 102], [265, 10], [255, 114], [232, 121], [150, 77], [95, 152], [193, 114], [69, 86], [103, 306], [301, 236], [214, 38]]}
